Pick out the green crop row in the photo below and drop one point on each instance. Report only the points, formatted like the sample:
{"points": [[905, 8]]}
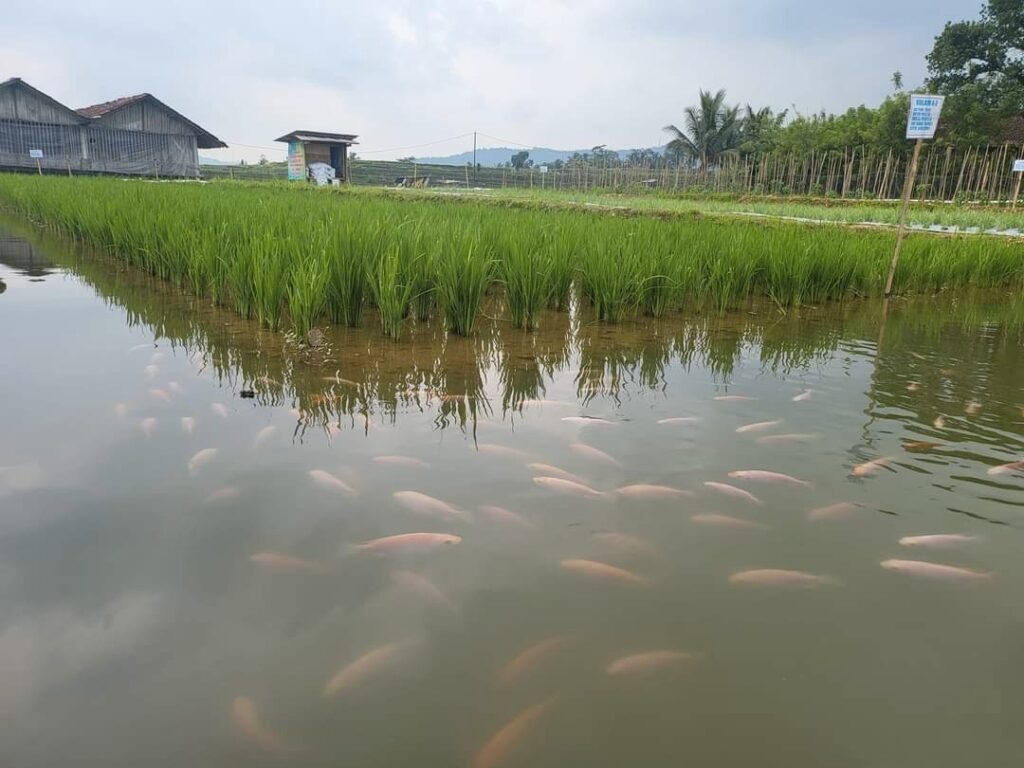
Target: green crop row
{"points": [[298, 256]]}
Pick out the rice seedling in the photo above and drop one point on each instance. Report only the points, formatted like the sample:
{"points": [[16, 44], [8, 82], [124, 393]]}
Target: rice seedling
{"points": [[349, 252], [307, 291], [272, 251], [463, 275], [525, 273], [391, 289]]}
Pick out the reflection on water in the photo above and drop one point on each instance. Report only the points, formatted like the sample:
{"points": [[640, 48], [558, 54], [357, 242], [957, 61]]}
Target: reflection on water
{"points": [[219, 547]]}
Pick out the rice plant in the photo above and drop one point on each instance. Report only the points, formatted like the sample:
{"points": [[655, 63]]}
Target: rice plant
{"points": [[265, 251], [463, 275], [391, 289]]}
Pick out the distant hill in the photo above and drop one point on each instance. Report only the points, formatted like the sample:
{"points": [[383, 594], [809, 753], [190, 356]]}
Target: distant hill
{"points": [[491, 156], [203, 160]]}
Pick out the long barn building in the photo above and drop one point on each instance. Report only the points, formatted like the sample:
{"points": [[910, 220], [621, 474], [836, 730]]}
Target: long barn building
{"points": [[136, 135]]}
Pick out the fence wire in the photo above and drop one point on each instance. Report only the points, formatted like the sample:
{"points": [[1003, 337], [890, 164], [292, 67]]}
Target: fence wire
{"points": [[91, 149]]}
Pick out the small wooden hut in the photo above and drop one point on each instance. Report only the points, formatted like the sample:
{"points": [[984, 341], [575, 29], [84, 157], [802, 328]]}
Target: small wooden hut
{"points": [[308, 147]]}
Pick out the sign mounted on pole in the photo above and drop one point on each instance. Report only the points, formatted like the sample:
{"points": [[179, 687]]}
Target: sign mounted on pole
{"points": [[921, 124], [35, 154], [1018, 166], [924, 115]]}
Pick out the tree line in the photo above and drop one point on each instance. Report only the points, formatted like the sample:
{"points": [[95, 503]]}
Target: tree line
{"points": [[978, 65]]}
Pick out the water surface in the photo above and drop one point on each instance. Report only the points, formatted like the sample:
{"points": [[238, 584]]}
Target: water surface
{"points": [[135, 618]]}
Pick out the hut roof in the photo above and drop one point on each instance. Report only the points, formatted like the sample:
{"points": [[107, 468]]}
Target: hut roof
{"points": [[204, 139], [319, 136]]}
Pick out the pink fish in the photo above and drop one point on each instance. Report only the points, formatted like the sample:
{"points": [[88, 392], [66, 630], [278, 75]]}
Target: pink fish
{"points": [[603, 572], [227, 493], [569, 487], [937, 540], [773, 577], [732, 490], [549, 470], [188, 424], [422, 504], [507, 516], [219, 409], [200, 459], [422, 586], [764, 476], [679, 420], [247, 720], [642, 491], [788, 438], [287, 563], [263, 435], [366, 666], [759, 426], [1007, 469], [870, 467], [651, 661], [151, 371], [329, 482], [401, 461], [833, 511], [160, 394], [805, 395], [528, 659], [496, 750], [590, 452], [121, 410], [583, 420], [409, 543], [147, 425], [735, 399], [935, 570], [726, 521], [623, 542], [502, 451]]}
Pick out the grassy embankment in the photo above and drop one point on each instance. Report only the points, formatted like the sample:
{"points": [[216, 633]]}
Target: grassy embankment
{"points": [[300, 256]]}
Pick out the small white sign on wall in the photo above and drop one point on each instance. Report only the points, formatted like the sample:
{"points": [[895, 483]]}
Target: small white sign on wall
{"points": [[35, 154], [1018, 166]]}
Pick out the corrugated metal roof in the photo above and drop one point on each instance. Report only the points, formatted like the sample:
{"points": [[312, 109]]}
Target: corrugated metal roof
{"points": [[321, 136]]}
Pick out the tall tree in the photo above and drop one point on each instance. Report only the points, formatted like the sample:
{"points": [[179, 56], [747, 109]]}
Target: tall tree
{"points": [[711, 129], [979, 65]]}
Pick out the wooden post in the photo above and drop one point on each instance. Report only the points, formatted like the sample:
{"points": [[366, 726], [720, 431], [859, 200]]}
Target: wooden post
{"points": [[908, 188], [39, 167], [1016, 190]]}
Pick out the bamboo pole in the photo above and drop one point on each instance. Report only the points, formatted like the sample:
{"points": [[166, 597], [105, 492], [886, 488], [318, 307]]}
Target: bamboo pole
{"points": [[908, 186]]}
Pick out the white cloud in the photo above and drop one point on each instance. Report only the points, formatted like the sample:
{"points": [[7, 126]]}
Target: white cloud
{"points": [[404, 72]]}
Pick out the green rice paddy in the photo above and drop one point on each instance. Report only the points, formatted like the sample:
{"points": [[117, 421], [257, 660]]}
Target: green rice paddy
{"points": [[296, 257]]}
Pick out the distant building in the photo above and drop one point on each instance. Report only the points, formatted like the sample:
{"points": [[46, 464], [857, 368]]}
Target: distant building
{"points": [[306, 148], [136, 135]]}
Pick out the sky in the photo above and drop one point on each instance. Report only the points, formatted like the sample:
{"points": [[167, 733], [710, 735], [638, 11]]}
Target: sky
{"points": [[417, 77]]}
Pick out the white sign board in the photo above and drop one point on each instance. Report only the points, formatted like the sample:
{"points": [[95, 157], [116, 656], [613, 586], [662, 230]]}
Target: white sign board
{"points": [[924, 115], [543, 169], [35, 154], [1018, 166]]}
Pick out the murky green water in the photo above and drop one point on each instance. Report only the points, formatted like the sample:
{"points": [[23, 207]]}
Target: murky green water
{"points": [[165, 607]]}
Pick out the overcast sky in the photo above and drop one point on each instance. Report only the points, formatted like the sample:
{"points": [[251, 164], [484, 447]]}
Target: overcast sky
{"points": [[406, 72]]}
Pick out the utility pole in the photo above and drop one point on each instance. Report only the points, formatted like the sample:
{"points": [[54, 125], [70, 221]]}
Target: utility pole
{"points": [[474, 155]]}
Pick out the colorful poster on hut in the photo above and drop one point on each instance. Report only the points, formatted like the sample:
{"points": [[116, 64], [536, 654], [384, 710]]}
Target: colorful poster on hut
{"points": [[296, 160]]}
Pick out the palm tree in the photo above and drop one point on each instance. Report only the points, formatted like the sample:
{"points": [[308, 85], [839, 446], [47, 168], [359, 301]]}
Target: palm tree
{"points": [[712, 130]]}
